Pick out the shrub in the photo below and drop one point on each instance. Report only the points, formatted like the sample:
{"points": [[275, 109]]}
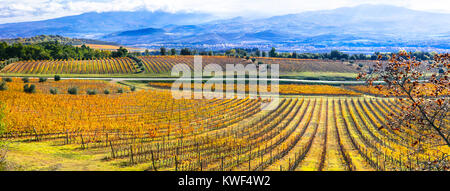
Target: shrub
{"points": [[3, 86], [106, 92], [25, 80], [120, 90], [133, 88], [42, 79], [57, 78], [7, 79], [54, 91], [73, 90], [29, 88], [91, 92]]}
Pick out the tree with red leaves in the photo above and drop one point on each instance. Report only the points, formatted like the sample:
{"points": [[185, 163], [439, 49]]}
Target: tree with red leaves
{"points": [[422, 88]]}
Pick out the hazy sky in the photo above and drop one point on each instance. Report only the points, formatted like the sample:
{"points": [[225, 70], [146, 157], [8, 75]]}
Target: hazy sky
{"points": [[29, 10]]}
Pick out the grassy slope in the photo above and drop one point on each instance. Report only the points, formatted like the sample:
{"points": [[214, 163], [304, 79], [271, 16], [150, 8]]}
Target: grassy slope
{"points": [[48, 156]]}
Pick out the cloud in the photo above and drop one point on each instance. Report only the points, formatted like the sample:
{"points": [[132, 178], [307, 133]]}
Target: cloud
{"points": [[28, 10]]}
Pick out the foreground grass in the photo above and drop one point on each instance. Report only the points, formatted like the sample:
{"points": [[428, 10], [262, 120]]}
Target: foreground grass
{"points": [[47, 156]]}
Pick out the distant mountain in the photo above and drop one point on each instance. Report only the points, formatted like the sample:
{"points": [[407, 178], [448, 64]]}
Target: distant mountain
{"points": [[92, 25], [140, 32], [364, 27], [361, 26]]}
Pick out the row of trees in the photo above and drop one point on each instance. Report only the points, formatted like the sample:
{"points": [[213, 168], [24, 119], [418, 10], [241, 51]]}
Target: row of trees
{"points": [[184, 51], [55, 50], [48, 51], [255, 52], [333, 55], [54, 38], [163, 51]]}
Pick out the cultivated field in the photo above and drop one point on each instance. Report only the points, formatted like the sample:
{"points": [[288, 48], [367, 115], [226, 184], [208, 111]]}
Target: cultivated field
{"points": [[149, 130], [105, 66], [163, 65], [284, 89], [426, 89], [111, 47]]}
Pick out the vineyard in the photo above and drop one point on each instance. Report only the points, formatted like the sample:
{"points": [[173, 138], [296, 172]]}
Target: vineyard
{"points": [[426, 89], [62, 86], [164, 64], [105, 66], [149, 130], [284, 89]]}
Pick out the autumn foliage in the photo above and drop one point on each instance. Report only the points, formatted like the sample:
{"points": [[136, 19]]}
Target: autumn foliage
{"points": [[424, 87]]}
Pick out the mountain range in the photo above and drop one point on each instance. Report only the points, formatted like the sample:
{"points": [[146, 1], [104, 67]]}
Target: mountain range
{"points": [[360, 28]]}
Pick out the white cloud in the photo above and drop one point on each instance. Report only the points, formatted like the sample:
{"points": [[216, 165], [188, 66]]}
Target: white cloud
{"points": [[26, 10]]}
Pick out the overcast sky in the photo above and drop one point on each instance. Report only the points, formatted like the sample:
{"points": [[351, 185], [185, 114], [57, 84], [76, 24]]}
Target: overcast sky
{"points": [[30, 10]]}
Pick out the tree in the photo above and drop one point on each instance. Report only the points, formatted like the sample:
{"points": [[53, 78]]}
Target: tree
{"points": [[163, 51], [232, 52], [121, 52], [29, 88], [3, 86], [146, 52], [73, 90], [272, 52], [53, 91], [42, 79], [25, 79], [257, 53], [173, 52], [91, 92], [335, 54], [422, 99], [185, 51]]}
